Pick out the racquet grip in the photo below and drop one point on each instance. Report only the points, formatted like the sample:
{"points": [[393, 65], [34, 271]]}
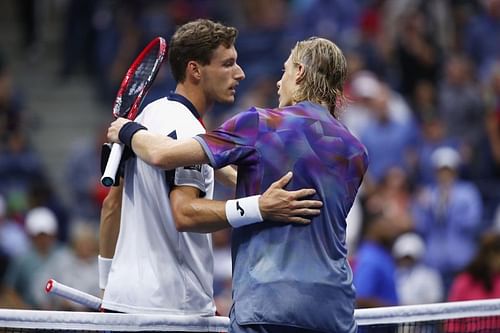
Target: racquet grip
{"points": [[109, 175], [72, 294]]}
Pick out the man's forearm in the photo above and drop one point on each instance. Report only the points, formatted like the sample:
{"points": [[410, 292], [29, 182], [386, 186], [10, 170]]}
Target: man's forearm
{"points": [[166, 153], [196, 214], [110, 222]]}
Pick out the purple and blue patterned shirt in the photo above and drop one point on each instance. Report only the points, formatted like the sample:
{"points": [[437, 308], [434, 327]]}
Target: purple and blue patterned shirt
{"points": [[288, 274]]}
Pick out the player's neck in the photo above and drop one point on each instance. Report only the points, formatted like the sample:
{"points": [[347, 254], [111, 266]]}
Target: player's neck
{"points": [[195, 96]]}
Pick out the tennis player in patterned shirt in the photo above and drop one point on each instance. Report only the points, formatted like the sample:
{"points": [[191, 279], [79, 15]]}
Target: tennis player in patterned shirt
{"points": [[292, 278]]}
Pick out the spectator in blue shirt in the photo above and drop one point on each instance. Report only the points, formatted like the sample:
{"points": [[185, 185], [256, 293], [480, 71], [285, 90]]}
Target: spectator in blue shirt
{"points": [[375, 267], [448, 215]]}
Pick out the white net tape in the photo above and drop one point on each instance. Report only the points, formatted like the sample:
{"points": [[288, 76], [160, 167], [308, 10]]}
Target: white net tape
{"points": [[95, 321], [428, 312]]}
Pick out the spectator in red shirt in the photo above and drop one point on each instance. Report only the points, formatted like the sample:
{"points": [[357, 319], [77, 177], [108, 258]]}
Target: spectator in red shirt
{"points": [[481, 278]]}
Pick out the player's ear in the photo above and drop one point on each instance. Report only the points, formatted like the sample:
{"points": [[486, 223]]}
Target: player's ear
{"points": [[193, 69], [301, 72]]}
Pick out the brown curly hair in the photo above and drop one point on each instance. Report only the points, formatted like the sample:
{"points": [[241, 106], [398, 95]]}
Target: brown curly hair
{"points": [[197, 40]]}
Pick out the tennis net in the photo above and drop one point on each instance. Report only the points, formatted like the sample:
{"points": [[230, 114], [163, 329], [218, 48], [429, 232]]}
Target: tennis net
{"points": [[456, 317], [481, 316]]}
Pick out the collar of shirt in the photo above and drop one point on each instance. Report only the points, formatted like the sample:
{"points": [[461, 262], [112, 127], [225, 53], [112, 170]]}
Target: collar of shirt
{"points": [[187, 103]]}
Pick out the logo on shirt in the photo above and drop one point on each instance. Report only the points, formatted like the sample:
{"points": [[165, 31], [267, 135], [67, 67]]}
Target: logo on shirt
{"points": [[239, 208], [173, 134], [196, 167]]}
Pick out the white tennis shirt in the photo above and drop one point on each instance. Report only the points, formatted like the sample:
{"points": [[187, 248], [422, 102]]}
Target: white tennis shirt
{"points": [[157, 269]]}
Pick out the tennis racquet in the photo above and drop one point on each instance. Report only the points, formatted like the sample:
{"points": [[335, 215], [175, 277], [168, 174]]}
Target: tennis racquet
{"points": [[72, 294], [133, 89]]}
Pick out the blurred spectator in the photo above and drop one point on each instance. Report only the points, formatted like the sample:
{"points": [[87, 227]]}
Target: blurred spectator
{"points": [[119, 33], [487, 159], [20, 164], [461, 13], [460, 105], [333, 19], [74, 266], [390, 143], [83, 176], [448, 215], [41, 226], [423, 100], [374, 267], [481, 278], [11, 106], [437, 16], [492, 98], [42, 194], [13, 240], [261, 33], [78, 37], [434, 135], [416, 52], [395, 196], [482, 36], [370, 42], [416, 283], [367, 92]]}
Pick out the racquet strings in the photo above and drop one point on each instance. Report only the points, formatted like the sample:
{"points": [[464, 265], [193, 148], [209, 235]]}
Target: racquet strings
{"points": [[140, 77]]}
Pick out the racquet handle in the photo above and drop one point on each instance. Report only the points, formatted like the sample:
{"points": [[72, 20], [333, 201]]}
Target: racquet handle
{"points": [[72, 294], [109, 175]]}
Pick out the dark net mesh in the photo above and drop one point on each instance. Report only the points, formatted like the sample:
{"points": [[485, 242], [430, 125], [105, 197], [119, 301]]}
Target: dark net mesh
{"points": [[488, 324]]}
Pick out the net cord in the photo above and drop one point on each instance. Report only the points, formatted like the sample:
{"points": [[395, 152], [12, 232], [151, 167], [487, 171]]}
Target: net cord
{"points": [[427, 312], [73, 320], [192, 323]]}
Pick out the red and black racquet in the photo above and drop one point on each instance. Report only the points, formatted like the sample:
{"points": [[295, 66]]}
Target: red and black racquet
{"points": [[133, 89]]}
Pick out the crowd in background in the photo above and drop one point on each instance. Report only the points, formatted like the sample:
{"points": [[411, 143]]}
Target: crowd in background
{"points": [[423, 95]]}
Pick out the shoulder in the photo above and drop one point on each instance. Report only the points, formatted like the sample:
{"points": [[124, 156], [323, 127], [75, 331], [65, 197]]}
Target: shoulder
{"points": [[248, 118], [163, 105], [167, 115]]}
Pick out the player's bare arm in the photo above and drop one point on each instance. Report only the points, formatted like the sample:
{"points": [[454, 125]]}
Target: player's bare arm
{"points": [[109, 229], [195, 214], [226, 176], [110, 221], [158, 150]]}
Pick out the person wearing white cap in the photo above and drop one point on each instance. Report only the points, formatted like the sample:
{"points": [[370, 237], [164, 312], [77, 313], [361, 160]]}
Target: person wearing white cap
{"points": [[41, 220], [41, 226], [448, 215], [416, 283], [366, 90]]}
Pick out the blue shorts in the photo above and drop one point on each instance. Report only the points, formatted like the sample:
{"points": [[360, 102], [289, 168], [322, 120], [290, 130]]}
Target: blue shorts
{"points": [[234, 327], [266, 328]]}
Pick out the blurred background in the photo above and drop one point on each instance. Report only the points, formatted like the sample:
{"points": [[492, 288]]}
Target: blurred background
{"points": [[423, 95]]}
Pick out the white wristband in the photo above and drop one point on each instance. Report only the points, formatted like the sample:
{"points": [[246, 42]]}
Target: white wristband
{"points": [[104, 268], [244, 211]]}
